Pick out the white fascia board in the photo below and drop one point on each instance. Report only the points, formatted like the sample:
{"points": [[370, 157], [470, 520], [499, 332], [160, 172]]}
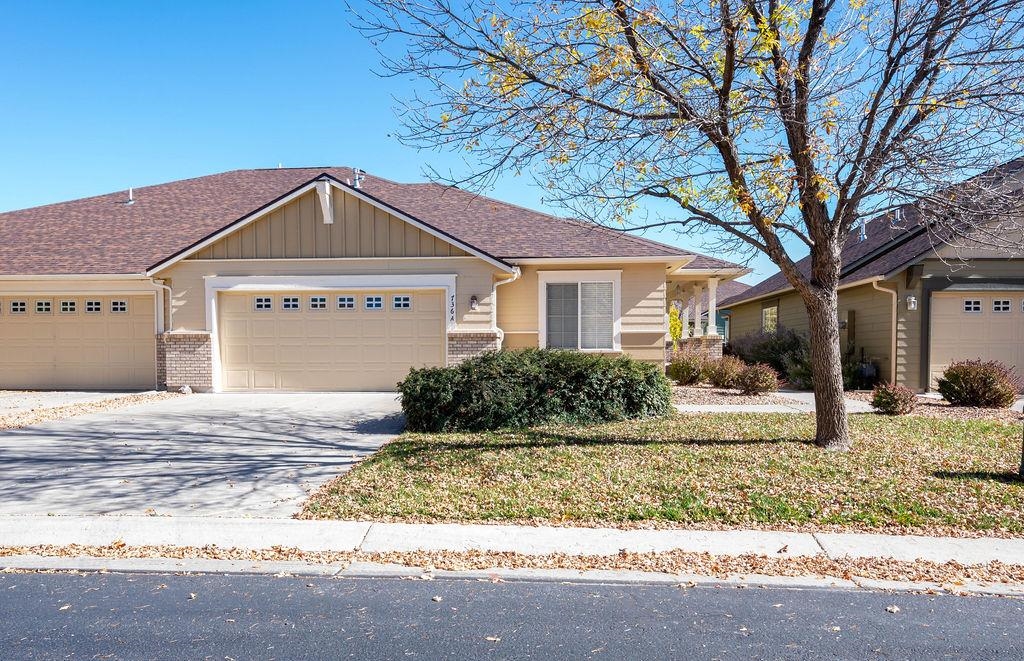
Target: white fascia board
{"points": [[683, 272], [78, 276], [668, 260], [613, 276]]}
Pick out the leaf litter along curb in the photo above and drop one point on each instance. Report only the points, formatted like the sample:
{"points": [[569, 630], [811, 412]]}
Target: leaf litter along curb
{"points": [[951, 574], [906, 475], [40, 415]]}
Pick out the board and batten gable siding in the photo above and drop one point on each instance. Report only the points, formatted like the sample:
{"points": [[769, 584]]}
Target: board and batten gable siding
{"points": [[643, 307], [474, 277], [297, 231], [872, 319]]}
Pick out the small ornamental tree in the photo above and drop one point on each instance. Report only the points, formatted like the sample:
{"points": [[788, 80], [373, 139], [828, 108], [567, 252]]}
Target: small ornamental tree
{"points": [[675, 327], [758, 125]]}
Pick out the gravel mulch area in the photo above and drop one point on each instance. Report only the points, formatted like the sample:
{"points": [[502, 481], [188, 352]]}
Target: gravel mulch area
{"points": [[709, 395], [703, 564], [47, 414], [929, 407]]}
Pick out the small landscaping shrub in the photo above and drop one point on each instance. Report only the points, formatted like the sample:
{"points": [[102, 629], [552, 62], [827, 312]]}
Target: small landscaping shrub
{"points": [[503, 389], [773, 349], [757, 379], [893, 399], [984, 384], [686, 366], [722, 373]]}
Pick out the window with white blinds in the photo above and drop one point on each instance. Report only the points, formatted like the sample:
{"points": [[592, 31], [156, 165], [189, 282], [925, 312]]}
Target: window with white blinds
{"points": [[580, 315], [596, 322]]}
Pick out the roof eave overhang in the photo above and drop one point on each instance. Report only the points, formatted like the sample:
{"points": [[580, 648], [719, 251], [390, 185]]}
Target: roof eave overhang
{"points": [[302, 190], [788, 290], [674, 260], [734, 272], [75, 276]]}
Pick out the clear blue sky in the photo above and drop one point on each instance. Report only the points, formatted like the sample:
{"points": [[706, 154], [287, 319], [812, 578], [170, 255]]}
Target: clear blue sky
{"points": [[100, 96]]}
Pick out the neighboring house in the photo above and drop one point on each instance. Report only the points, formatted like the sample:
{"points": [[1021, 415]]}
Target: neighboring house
{"points": [[314, 279], [726, 290], [901, 296]]}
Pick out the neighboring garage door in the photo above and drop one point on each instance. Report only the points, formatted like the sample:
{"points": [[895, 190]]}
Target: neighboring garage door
{"points": [[986, 325], [77, 342], [330, 340]]}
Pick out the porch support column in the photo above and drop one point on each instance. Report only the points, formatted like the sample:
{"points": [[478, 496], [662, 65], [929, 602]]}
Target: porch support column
{"points": [[698, 293], [713, 306], [684, 317]]}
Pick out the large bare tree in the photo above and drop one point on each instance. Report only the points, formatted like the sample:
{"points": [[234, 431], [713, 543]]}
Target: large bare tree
{"points": [[767, 125]]}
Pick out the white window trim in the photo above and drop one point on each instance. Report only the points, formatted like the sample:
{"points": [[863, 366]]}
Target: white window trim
{"points": [[981, 306], [47, 302], [1009, 305], [98, 307], [349, 300], [73, 305], [323, 302], [291, 300], [366, 302], [397, 296], [568, 277], [214, 284]]}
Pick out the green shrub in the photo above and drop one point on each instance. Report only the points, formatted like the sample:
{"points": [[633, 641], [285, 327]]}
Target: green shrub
{"points": [[757, 379], [512, 389], [988, 384], [686, 366], [893, 399], [773, 349], [675, 327], [722, 373]]}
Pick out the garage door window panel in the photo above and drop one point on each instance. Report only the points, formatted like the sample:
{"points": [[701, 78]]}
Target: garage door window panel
{"points": [[263, 304], [346, 302], [374, 303], [68, 307], [1001, 305], [290, 303], [401, 302], [119, 307], [18, 307], [972, 306], [317, 302], [44, 307], [93, 307]]}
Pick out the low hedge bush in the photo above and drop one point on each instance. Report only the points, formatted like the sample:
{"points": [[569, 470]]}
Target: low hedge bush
{"points": [[893, 399], [757, 379], [686, 366], [522, 388], [984, 384], [722, 373]]}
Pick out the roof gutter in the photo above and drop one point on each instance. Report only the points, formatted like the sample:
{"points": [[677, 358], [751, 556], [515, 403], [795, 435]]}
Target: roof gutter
{"points": [[76, 276], [516, 274], [892, 328], [787, 290]]}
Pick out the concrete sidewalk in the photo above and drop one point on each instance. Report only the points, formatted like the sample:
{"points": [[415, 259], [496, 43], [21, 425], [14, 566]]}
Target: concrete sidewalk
{"points": [[528, 540], [800, 402]]}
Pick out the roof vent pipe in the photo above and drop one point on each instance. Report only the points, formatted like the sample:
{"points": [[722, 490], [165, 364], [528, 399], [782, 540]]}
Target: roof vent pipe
{"points": [[863, 229], [131, 196], [357, 177]]}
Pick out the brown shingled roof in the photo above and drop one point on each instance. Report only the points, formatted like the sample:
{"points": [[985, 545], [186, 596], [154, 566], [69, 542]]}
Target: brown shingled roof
{"points": [[883, 250], [104, 235]]}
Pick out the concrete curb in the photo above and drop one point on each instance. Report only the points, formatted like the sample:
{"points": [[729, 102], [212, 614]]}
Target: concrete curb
{"points": [[367, 570], [369, 537]]}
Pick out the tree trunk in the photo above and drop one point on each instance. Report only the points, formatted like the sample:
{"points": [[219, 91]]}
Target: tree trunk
{"points": [[833, 431]]}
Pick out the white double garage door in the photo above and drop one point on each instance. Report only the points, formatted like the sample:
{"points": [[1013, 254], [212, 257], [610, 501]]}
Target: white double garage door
{"points": [[984, 325], [364, 340]]}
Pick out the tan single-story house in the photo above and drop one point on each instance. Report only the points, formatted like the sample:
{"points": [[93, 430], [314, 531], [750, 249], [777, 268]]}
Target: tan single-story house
{"points": [[316, 279], [912, 307]]}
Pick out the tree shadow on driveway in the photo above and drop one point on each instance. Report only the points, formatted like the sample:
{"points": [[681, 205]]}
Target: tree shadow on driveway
{"points": [[190, 456]]}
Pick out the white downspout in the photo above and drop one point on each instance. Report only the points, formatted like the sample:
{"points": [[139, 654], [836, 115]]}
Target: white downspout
{"points": [[516, 274], [169, 296], [895, 309]]}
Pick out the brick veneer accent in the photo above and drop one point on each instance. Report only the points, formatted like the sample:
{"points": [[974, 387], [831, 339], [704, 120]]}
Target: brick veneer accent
{"points": [[466, 345], [185, 359], [711, 345]]}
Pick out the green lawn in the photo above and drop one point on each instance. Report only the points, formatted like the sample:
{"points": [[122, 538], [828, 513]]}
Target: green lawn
{"points": [[728, 469]]}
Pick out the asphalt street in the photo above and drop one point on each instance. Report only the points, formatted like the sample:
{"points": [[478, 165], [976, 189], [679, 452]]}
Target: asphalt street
{"points": [[147, 616]]}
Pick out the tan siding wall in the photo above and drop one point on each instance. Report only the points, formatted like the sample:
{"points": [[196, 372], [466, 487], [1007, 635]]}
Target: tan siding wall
{"points": [[872, 320], [297, 230], [908, 332], [474, 278], [978, 268], [643, 308]]}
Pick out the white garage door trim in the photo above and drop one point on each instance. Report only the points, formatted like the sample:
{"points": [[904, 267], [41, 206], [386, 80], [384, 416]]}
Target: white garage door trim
{"points": [[218, 283]]}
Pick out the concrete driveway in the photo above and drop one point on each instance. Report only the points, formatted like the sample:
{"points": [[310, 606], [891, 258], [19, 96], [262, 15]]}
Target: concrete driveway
{"points": [[197, 455]]}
